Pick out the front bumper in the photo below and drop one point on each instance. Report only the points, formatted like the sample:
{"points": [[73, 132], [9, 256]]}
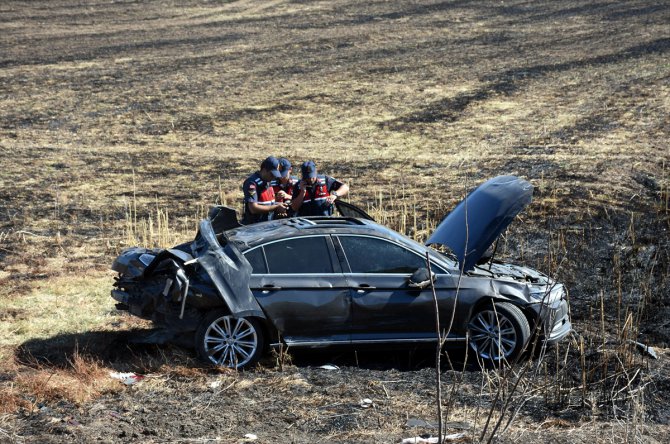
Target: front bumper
{"points": [[557, 323]]}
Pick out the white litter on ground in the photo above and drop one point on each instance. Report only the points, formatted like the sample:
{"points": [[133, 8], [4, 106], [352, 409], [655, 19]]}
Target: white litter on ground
{"points": [[433, 439], [366, 403], [329, 367], [127, 378]]}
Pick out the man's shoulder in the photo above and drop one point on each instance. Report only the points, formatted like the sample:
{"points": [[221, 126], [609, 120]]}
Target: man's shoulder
{"points": [[254, 178], [329, 180]]}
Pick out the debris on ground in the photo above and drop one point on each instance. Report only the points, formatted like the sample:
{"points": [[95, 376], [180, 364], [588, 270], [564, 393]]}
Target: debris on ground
{"points": [[329, 367], [433, 439], [366, 403], [649, 351], [127, 378]]}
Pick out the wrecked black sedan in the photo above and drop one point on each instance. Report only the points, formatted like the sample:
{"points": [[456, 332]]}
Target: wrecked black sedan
{"points": [[320, 281]]}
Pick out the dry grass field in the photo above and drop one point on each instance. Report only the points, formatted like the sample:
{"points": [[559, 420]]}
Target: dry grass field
{"points": [[122, 121]]}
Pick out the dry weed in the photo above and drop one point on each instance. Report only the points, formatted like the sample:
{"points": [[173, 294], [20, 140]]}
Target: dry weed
{"points": [[35, 385]]}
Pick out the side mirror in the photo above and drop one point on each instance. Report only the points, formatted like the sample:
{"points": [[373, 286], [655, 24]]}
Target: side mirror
{"points": [[421, 279]]}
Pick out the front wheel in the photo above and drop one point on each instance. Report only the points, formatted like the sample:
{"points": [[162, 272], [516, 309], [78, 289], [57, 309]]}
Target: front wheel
{"points": [[228, 341], [498, 333]]}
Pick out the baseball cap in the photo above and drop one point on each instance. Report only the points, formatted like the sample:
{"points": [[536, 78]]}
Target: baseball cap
{"points": [[308, 170], [271, 164], [284, 167]]}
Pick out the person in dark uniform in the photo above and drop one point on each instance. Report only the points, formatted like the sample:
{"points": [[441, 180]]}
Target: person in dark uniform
{"points": [[314, 194], [259, 197], [283, 187]]}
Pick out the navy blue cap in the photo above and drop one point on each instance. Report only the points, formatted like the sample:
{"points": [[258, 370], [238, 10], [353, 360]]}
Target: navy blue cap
{"points": [[271, 164], [308, 170], [284, 167]]}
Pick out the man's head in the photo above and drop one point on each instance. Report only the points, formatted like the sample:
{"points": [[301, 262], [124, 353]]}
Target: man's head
{"points": [[308, 170], [270, 169], [285, 170]]}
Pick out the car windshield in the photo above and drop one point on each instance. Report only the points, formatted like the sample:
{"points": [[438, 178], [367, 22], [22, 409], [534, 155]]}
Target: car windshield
{"points": [[443, 257]]}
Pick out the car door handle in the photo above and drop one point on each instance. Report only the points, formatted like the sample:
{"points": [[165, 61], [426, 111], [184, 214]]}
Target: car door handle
{"points": [[270, 287], [364, 288]]}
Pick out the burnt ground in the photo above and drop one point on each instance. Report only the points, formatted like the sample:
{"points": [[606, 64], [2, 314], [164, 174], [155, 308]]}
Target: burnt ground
{"points": [[121, 122]]}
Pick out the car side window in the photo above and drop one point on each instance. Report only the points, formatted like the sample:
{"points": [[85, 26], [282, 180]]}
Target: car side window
{"points": [[371, 255], [299, 255], [257, 260]]}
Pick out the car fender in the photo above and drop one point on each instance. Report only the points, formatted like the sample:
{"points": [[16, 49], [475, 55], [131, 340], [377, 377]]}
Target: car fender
{"points": [[510, 291], [494, 291]]}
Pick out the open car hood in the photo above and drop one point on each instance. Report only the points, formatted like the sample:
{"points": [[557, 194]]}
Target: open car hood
{"points": [[490, 208]]}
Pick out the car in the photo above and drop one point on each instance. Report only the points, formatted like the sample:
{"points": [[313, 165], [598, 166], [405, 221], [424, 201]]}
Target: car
{"points": [[236, 291]]}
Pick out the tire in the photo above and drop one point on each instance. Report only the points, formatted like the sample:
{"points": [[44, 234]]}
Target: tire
{"points": [[227, 341], [498, 333]]}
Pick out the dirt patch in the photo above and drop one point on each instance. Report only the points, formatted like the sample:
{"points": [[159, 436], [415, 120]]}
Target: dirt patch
{"points": [[304, 402], [12, 314]]}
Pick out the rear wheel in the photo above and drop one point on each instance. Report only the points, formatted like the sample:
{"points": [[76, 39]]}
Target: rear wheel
{"points": [[228, 341], [498, 333]]}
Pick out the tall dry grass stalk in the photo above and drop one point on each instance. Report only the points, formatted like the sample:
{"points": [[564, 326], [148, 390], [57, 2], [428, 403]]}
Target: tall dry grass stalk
{"points": [[402, 212], [157, 229], [664, 201]]}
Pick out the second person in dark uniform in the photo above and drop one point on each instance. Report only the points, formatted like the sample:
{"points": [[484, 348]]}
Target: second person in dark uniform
{"points": [[314, 194], [283, 187]]}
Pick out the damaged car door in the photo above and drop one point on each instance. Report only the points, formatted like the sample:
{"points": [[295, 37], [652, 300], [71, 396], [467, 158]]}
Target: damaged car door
{"points": [[299, 284], [385, 308]]}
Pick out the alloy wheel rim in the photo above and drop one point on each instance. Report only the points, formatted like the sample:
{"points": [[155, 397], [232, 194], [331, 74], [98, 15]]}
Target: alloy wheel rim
{"points": [[231, 342], [492, 335]]}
